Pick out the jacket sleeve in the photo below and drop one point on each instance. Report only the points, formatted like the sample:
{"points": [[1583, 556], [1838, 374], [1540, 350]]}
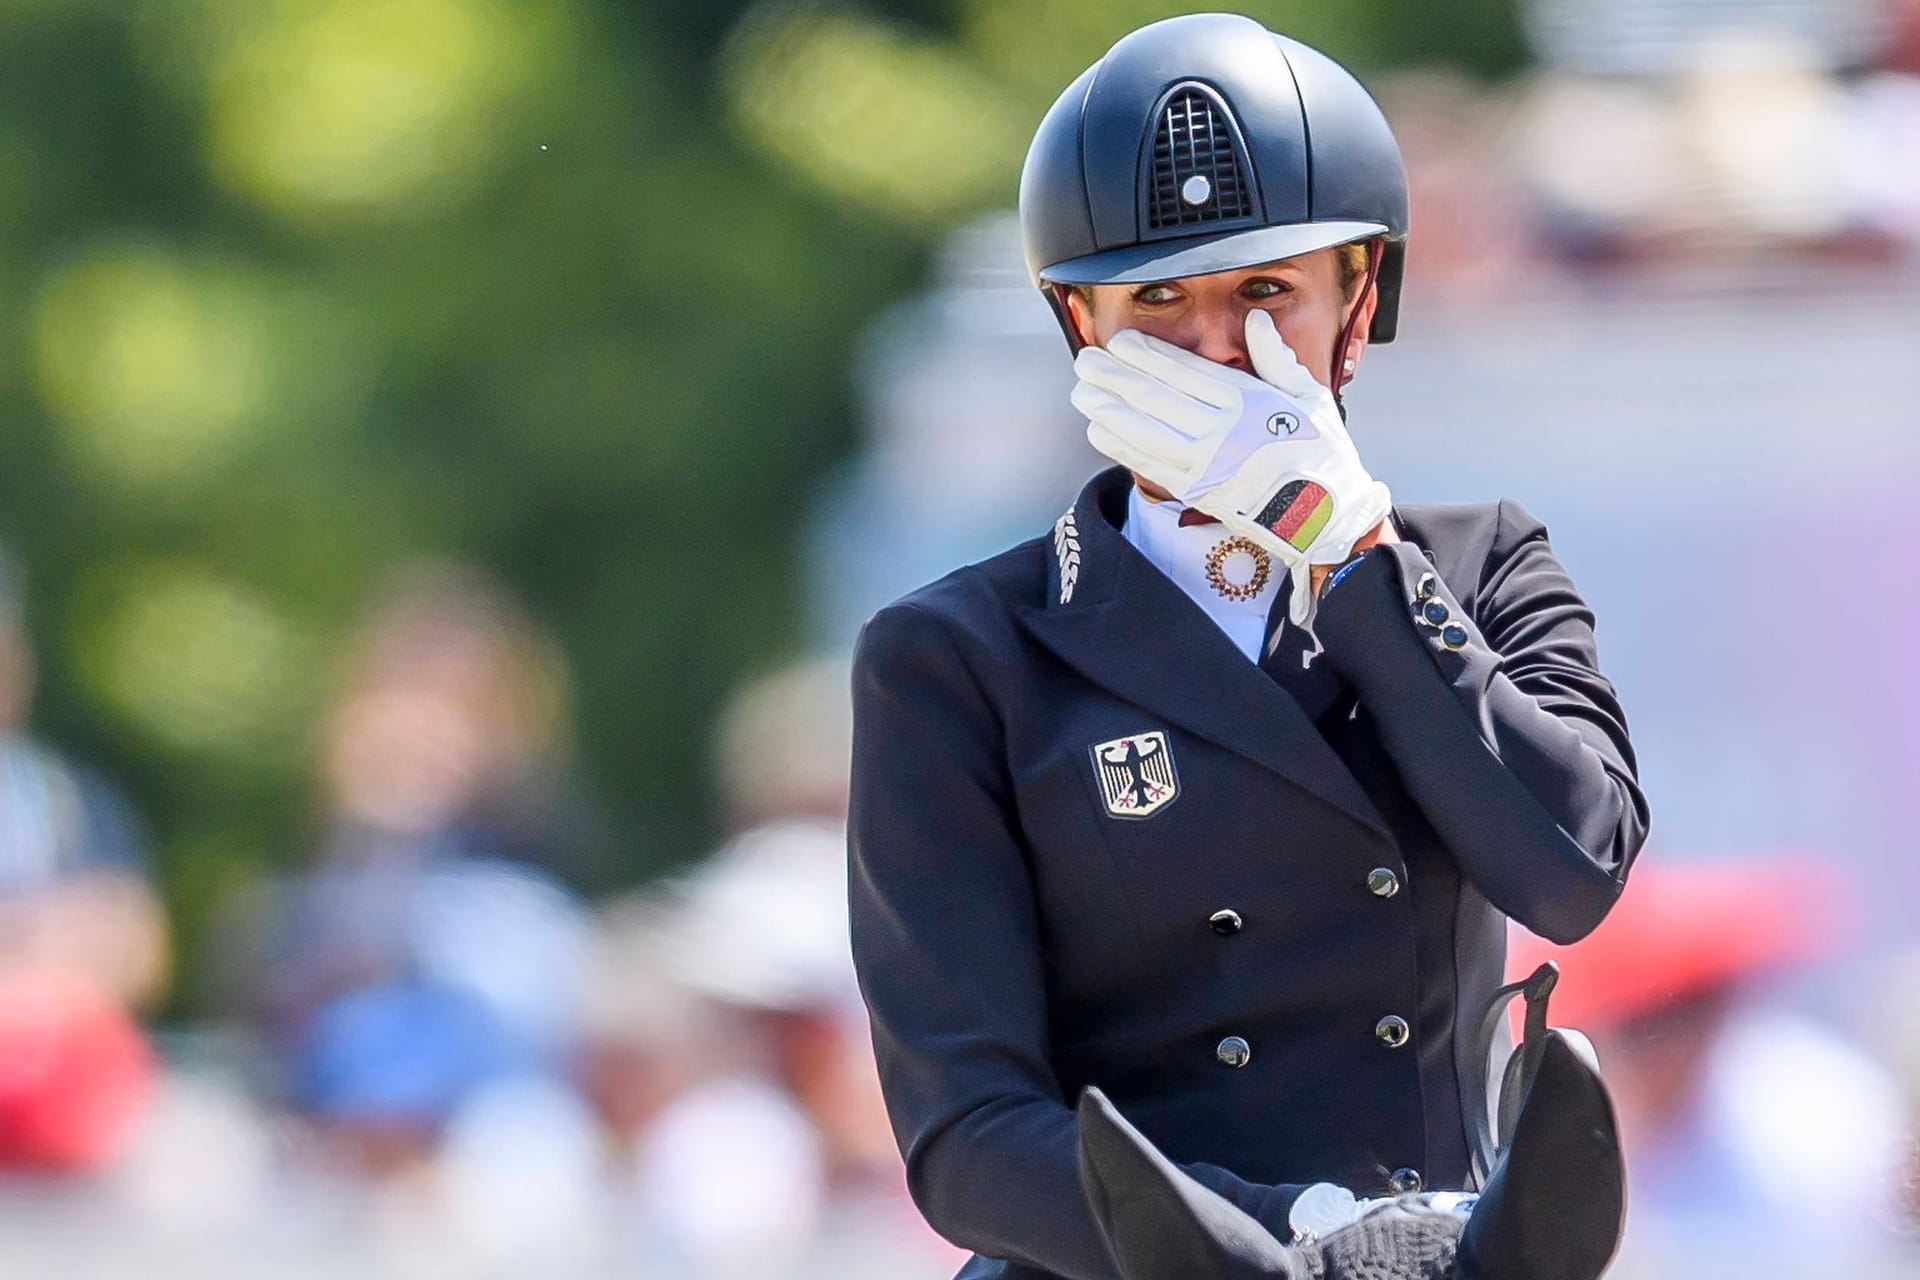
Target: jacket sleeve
{"points": [[951, 958], [1514, 745]]}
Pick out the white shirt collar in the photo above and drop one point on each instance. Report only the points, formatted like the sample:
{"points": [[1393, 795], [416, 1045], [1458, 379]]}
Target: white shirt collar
{"points": [[1154, 530]]}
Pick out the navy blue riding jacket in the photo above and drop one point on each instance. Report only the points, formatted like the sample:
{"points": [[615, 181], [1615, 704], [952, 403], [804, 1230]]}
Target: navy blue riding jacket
{"points": [[1258, 905]]}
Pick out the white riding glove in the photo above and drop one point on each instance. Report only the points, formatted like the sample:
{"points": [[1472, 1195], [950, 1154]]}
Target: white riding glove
{"points": [[1267, 456]]}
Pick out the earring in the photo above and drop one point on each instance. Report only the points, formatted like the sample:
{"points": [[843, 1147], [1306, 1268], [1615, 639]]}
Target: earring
{"points": [[1349, 364]]}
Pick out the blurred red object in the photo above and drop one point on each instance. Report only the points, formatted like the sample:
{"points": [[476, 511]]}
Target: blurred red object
{"points": [[74, 1070], [1681, 931]]}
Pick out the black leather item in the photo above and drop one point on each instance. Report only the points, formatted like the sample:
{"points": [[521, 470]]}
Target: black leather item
{"points": [[1553, 1209], [1160, 1221], [1556, 1204]]}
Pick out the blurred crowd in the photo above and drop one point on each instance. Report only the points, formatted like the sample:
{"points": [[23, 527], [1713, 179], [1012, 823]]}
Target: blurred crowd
{"points": [[434, 1058], [430, 1054]]}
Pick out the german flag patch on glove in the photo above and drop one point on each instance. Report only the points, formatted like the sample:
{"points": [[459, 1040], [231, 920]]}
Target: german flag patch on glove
{"points": [[1298, 512]]}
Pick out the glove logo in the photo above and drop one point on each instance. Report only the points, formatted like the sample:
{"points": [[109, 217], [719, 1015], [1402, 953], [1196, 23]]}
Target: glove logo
{"points": [[1280, 423], [1136, 774]]}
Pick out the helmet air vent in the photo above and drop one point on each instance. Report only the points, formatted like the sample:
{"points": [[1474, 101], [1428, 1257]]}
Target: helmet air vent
{"points": [[1197, 172]]}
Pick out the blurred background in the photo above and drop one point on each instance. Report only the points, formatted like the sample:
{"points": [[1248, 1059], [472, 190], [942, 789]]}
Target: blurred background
{"points": [[447, 448]]}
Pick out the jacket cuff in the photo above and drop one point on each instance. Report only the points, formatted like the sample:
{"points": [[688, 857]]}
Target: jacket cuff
{"points": [[1390, 619]]}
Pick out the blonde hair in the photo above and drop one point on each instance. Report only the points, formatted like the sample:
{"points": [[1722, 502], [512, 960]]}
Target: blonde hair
{"points": [[1353, 264]]}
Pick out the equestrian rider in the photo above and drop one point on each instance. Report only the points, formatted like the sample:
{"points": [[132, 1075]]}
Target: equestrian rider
{"points": [[1220, 794]]}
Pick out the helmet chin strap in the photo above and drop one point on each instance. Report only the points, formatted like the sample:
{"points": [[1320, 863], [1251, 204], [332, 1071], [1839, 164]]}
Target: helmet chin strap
{"points": [[1057, 295], [1345, 344]]}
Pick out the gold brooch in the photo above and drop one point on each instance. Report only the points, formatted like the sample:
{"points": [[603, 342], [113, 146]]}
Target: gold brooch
{"points": [[1216, 566]]}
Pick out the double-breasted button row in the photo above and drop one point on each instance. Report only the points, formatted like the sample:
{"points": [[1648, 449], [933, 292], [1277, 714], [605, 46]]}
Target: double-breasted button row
{"points": [[1392, 1030], [1233, 1051]]}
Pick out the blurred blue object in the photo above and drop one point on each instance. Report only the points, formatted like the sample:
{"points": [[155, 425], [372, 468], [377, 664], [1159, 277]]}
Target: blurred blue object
{"points": [[409, 1052]]}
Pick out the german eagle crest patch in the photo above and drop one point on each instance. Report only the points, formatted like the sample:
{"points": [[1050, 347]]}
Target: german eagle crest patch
{"points": [[1136, 774]]}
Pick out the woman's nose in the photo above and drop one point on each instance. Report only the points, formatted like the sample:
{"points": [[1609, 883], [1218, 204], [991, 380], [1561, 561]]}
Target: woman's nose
{"points": [[1221, 336]]}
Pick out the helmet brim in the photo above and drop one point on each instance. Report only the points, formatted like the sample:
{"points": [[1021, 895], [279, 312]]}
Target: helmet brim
{"points": [[1204, 254]]}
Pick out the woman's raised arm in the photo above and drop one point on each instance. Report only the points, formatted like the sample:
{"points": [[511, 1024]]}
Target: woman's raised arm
{"points": [[1503, 730]]}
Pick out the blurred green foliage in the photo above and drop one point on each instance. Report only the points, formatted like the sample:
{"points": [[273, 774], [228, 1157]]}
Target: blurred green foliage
{"points": [[291, 289]]}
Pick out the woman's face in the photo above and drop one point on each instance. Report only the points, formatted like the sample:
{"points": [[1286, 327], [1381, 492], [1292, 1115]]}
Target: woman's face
{"points": [[1207, 314]]}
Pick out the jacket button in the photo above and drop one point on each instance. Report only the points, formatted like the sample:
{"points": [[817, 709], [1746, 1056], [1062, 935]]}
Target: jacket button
{"points": [[1404, 1181], [1233, 1052], [1226, 923], [1435, 611], [1392, 1031], [1382, 882], [1454, 636], [1427, 586]]}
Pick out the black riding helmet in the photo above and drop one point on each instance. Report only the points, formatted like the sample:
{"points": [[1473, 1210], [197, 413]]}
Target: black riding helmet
{"points": [[1208, 143]]}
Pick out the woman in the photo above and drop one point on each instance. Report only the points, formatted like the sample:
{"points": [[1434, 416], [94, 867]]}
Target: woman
{"points": [[1219, 795]]}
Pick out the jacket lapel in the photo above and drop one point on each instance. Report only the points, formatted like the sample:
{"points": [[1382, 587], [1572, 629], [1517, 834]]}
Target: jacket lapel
{"points": [[1121, 623]]}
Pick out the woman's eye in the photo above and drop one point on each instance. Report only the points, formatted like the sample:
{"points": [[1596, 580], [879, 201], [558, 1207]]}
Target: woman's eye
{"points": [[1264, 289], [1155, 294]]}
